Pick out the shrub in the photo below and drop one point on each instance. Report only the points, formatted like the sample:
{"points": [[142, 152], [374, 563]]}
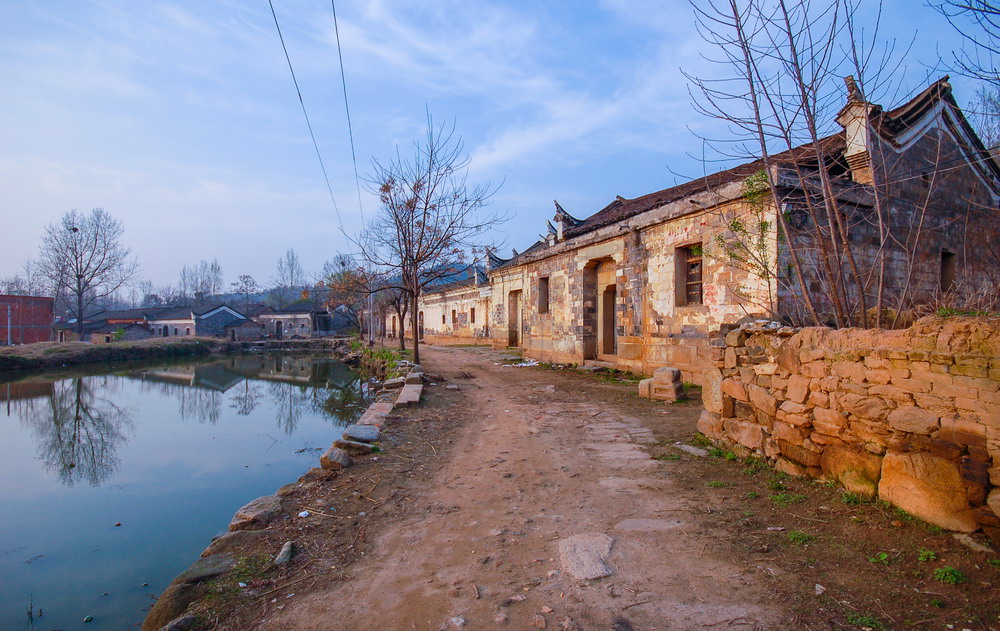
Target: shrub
{"points": [[949, 575]]}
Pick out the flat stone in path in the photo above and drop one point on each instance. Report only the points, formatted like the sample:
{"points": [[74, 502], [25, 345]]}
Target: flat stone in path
{"points": [[409, 395], [362, 433], [583, 555]]}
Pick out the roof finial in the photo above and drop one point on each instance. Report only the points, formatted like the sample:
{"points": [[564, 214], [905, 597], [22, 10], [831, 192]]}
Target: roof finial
{"points": [[853, 91]]}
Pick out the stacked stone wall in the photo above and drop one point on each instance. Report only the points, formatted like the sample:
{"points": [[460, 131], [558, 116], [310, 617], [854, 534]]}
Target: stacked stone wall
{"points": [[910, 416]]}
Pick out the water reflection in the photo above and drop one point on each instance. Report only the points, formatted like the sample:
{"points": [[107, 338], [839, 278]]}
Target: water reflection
{"points": [[78, 425]]}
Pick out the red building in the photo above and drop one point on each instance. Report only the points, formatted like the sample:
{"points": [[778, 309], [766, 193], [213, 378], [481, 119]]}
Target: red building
{"points": [[25, 319]]}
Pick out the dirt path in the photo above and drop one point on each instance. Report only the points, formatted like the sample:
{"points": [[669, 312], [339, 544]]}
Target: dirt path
{"points": [[539, 459]]}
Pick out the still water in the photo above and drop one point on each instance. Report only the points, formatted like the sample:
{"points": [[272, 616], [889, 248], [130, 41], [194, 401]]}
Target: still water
{"points": [[170, 452]]}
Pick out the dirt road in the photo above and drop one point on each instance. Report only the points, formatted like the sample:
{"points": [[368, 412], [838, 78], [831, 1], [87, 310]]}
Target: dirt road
{"points": [[543, 456]]}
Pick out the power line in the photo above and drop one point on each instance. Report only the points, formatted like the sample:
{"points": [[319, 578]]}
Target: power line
{"points": [[306, 115], [350, 130]]}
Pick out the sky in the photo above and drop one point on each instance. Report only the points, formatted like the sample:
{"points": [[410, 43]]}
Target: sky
{"points": [[181, 118]]}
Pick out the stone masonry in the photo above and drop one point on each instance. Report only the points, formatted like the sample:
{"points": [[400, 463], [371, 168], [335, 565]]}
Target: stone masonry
{"points": [[910, 416]]}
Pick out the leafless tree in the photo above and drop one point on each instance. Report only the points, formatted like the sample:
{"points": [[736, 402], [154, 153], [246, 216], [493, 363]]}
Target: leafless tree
{"points": [[83, 256], [430, 216], [290, 279], [785, 61], [246, 287], [978, 21], [364, 290]]}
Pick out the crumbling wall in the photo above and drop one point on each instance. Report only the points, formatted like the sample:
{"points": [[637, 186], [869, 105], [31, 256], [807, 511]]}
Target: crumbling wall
{"points": [[910, 416]]}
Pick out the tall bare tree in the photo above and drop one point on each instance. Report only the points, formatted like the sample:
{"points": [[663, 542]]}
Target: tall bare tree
{"points": [[429, 216], [246, 287], [978, 21], [290, 278], [83, 255]]}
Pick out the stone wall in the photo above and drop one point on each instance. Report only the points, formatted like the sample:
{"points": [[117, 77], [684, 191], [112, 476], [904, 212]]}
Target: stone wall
{"points": [[456, 315], [909, 416]]}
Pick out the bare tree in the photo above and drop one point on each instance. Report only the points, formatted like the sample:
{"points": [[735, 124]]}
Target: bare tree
{"points": [[83, 255], [978, 21], [985, 115], [246, 287], [429, 217], [289, 280], [365, 290]]}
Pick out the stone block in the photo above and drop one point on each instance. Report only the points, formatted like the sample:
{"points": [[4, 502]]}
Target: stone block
{"points": [[798, 389], [414, 378], [929, 487], [857, 470], [788, 432], [746, 433], [334, 459], [393, 384], [818, 398], [912, 419], [711, 390], [736, 337], [762, 400], [409, 395], [353, 448], [799, 454], [710, 424], [362, 433], [675, 392], [865, 407], [975, 473], [646, 388], [735, 388], [667, 375]]}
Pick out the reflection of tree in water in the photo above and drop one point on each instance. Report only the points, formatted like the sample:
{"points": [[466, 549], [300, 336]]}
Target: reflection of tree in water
{"points": [[340, 403], [246, 398], [199, 404], [80, 429], [289, 402]]}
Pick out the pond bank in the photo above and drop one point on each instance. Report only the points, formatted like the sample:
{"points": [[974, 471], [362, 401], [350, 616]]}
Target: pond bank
{"points": [[242, 562], [21, 360]]}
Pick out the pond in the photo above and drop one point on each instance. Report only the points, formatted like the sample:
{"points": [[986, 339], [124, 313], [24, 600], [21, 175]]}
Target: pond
{"points": [[112, 484]]}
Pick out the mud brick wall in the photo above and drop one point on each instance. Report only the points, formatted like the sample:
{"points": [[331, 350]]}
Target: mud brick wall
{"points": [[910, 416]]}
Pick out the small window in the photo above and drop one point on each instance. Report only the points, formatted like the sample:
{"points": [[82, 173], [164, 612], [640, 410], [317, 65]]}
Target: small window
{"points": [[543, 294], [442, 318], [472, 315], [688, 279], [948, 269]]}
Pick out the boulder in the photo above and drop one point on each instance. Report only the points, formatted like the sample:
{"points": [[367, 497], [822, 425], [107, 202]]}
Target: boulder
{"points": [[857, 470], [257, 514], [335, 459], [929, 487], [353, 447], [206, 568], [233, 540], [171, 605], [184, 623], [362, 433], [909, 418]]}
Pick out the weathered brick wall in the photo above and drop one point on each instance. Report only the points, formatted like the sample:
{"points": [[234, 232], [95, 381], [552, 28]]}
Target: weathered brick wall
{"points": [[215, 324], [912, 416]]}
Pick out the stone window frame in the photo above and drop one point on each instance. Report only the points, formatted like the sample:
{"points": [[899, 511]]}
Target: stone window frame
{"points": [[543, 294], [689, 271]]}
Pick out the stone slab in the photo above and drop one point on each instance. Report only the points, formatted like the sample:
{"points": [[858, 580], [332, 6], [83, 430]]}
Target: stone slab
{"points": [[257, 514], [583, 556], [362, 433], [353, 447], [415, 378], [410, 394], [334, 459]]}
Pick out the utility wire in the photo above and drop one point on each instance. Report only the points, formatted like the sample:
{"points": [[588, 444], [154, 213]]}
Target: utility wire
{"points": [[350, 130], [306, 115]]}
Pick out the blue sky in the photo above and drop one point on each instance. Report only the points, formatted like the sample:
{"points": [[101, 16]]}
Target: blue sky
{"points": [[180, 118]]}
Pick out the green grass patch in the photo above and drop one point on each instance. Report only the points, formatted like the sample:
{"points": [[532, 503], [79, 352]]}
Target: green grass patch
{"points": [[864, 621], [786, 499], [716, 484], [800, 538]]}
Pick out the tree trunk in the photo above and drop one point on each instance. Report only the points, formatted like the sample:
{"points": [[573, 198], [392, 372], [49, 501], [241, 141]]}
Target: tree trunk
{"points": [[413, 327], [79, 311]]}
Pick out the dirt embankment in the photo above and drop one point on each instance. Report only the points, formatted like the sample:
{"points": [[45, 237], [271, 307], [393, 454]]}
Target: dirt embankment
{"points": [[17, 360], [473, 514]]}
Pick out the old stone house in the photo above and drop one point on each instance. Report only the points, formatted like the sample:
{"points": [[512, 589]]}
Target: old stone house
{"points": [[207, 321], [303, 318], [647, 282], [456, 312]]}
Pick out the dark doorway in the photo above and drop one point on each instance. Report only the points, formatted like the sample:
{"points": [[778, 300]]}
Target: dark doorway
{"points": [[514, 318], [609, 339], [277, 329]]}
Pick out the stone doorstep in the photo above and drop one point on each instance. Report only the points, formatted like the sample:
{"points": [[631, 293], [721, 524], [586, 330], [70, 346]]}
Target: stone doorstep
{"points": [[409, 395]]}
